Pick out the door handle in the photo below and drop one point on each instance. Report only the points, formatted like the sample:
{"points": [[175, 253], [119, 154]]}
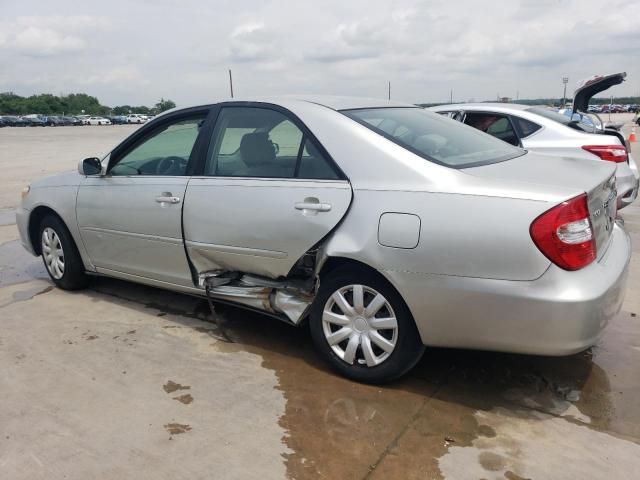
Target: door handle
{"points": [[167, 197], [312, 205]]}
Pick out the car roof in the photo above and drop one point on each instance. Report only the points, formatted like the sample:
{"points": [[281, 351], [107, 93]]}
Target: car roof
{"points": [[491, 105], [333, 102]]}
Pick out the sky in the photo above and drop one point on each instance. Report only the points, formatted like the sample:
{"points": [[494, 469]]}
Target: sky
{"points": [[137, 51]]}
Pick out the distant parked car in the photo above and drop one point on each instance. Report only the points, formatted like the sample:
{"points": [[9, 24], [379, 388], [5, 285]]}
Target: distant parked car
{"points": [[54, 121], [74, 121], [98, 121], [118, 119], [13, 121], [136, 118], [3, 122], [84, 119], [35, 122]]}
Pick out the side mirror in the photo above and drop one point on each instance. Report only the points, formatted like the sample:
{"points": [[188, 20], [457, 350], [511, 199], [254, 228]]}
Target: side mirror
{"points": [[90, 166]]}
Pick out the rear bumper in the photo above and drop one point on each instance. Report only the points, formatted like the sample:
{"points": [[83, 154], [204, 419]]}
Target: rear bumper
{"points": [[559, 313]]}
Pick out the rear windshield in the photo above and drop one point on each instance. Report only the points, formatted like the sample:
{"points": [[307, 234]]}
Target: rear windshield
{"points": [[434, 137], [560, 118]]}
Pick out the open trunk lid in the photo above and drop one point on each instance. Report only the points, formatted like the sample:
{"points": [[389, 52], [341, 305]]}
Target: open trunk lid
{"points": [[534, 173], [592, 86]]}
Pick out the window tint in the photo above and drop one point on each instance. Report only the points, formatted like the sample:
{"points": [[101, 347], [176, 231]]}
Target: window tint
{"points": [[165, 151], [434, 137], [259, 142], [494, 124], [525, 126]]}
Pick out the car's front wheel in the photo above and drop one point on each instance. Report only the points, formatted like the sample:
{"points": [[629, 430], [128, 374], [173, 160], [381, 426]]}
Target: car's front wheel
{"points": [[363, 328], [60, 255]]}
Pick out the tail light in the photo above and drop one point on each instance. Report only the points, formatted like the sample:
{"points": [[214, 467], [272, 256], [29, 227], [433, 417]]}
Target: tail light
{"points": [[610, 153], [564, 234]]}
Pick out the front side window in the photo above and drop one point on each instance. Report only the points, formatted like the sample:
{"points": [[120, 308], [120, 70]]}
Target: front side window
{"points": [[165, 151], [434, 137], [260, 142]]}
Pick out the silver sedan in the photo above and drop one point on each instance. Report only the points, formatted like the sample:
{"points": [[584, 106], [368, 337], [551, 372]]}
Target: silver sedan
{"points": [[382, 226], [542, 130]]}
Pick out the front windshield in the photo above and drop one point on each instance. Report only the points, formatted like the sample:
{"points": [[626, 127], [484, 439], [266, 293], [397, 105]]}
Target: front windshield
{"points": [[434, 137]]}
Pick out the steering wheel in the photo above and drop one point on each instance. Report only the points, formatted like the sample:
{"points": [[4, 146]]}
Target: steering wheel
{"points": [[170, 165]]}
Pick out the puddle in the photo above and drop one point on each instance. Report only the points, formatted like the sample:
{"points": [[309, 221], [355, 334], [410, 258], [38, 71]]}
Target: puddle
{"points": [[455, 408], [7, 216], [513, 453], [18, 266], [24, 295]]}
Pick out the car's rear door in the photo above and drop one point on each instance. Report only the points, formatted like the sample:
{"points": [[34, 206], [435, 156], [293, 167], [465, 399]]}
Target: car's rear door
{"points": [[267, 193], [130, 218]]}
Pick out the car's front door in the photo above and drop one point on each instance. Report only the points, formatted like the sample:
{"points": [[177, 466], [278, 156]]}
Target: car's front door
{"points": [[130, 217], [267, 193]]}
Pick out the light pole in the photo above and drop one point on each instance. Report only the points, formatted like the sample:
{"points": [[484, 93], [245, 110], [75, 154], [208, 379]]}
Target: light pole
{"points": [[565, 80]]}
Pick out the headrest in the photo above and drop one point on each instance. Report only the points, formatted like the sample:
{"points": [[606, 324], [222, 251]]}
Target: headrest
{"points": [[257, 149]]}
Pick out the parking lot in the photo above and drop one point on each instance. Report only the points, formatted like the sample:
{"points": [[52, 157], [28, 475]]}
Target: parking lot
{"points": [[123, 381]]}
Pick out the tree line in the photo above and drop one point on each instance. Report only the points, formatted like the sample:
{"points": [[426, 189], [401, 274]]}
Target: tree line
{"points": [[72, 104]]}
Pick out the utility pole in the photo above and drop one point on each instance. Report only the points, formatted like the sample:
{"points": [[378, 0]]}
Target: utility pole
{"points": [[565, 80], [231, 83], [389, 89], [451, 96]]}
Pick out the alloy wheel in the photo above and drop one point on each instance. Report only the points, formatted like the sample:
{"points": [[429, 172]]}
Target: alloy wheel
{"points": [[360, 325], [53, 253]]}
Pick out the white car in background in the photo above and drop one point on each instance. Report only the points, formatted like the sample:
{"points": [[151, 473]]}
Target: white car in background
{"points": [[98, 121], [136, 118], [543, 130]]}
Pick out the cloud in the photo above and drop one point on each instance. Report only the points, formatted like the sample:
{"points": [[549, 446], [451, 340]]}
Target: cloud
{"points": [[121, 53], [251, 42], [41, 36], [119, 77], [38, 41]]}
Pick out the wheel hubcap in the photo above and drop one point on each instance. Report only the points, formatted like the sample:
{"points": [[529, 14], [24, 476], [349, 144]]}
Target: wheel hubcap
{"points": [[53, 253], [360, 325]]}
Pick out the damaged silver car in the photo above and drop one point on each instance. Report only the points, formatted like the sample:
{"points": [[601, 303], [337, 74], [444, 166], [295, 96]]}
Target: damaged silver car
{"points": [[382, 226]]}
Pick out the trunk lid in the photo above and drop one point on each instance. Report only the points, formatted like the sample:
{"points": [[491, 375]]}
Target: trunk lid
{"points": [[570, 177], [593, 85]]}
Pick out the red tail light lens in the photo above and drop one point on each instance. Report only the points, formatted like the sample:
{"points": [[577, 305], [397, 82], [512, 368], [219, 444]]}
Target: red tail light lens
{"points": [[610, 153], [564, 234]]}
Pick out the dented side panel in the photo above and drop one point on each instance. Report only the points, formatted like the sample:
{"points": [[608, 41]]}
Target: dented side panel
{"points": [[260, 226]]}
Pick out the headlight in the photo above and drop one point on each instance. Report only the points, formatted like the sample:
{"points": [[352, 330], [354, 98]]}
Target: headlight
{"points": [[25, 191]]}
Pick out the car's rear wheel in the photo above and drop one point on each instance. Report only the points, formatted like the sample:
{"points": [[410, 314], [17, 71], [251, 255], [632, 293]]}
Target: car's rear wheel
{"points": [[363, 328], [60, 255]]}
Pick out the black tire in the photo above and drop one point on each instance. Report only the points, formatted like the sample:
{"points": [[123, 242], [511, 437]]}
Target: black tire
{"points": [[74, 276], [408, 346]]}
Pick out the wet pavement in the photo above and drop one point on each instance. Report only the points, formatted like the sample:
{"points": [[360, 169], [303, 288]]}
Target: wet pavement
{"points": [[122, 379]]}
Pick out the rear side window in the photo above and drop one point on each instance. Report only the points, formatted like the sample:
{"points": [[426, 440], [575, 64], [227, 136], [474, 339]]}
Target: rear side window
{"points": [[494, 124], [525, 127], [263, 143], [434, 137]]}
